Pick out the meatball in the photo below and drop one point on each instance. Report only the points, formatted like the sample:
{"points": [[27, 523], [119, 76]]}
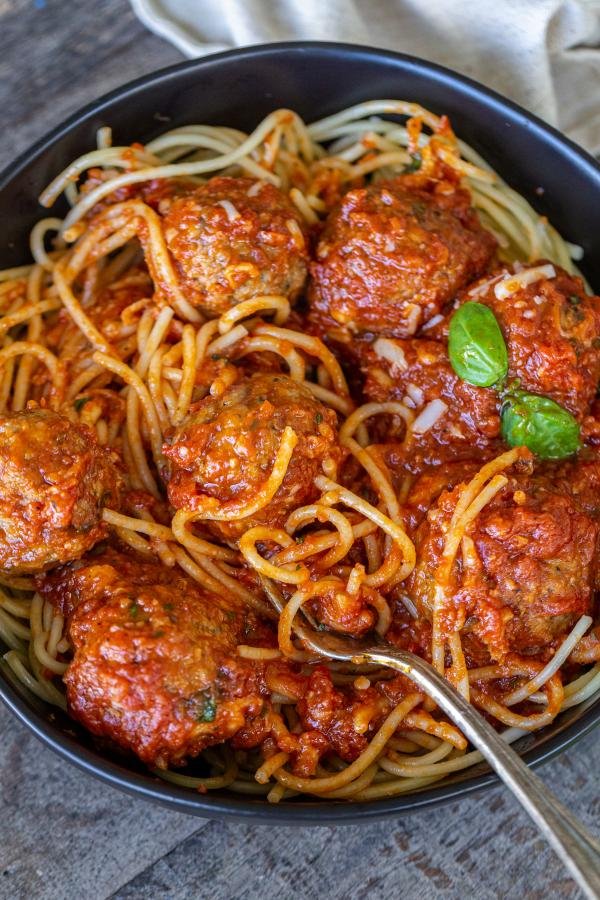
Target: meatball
{"points": [[451, 416], [56, 478], [530, 571], [390, 257], [552, 332], [235, 238], [155, 666], [228, 445]]}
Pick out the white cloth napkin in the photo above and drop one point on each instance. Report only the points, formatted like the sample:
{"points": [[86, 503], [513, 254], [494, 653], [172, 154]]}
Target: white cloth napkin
{"points": [[544, 54]]}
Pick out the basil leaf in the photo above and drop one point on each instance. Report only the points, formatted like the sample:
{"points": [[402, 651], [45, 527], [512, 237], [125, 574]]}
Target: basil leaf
{"points": [[476, 347], [414, 165], [536, 422]]}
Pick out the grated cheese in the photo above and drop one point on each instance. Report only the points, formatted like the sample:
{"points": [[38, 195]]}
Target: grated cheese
{"points": [[392, 351], [230, 209], [512, 283], [434, 410]]}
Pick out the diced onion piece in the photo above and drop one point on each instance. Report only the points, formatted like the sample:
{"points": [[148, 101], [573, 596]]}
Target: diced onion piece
{"points": [[513, 283], [391, 351], [429, 416], [232, 213]]}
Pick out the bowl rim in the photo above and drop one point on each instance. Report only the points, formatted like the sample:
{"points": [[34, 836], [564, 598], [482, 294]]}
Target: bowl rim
{"points": [[415, 63], [305, 812]]}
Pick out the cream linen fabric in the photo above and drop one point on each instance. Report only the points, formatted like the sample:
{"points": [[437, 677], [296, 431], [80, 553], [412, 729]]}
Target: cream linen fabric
{"points": [[544, 54]]}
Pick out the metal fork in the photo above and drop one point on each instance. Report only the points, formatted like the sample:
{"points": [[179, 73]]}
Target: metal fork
{"points": [[578, 850]]}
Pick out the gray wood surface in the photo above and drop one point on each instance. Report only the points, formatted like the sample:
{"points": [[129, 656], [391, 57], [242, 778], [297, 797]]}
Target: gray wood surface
{"points": [[65, 835]]}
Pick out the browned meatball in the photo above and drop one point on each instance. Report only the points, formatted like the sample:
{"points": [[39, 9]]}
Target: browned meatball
{"points": [[55, 480], [451, 416], [155, 666], [390, 257], [534, 561], [552, 331], [227, 448], [235, 238]]}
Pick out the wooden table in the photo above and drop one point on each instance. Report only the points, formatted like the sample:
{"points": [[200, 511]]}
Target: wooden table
{"points": [[65, 835]]}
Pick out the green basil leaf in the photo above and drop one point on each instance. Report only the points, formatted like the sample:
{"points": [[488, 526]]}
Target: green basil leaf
{"points": [[476, 347], [414, 165], [536, 422]]}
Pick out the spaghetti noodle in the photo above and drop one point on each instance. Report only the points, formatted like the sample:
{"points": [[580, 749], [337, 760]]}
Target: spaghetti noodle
{"points": [[108, 327]]}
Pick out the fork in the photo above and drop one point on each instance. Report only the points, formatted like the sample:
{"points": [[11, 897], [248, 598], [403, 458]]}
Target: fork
{"points": [[578, 850]]}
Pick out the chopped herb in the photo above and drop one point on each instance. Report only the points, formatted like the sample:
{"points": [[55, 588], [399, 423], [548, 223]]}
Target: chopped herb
{"points": [[319, 418], [576, 345], [169, 609], [414, 165], [299, 539], [231, 615], [158, 634], [202, 706], [298, 567], [574, 300], [80, 403], [215, 357], [134, 610]]}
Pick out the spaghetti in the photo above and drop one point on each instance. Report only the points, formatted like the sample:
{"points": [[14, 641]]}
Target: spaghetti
{"points": [[107, 327]]}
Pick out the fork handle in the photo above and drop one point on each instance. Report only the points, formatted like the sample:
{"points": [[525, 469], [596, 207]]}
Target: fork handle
{"points": [[577, 849]]}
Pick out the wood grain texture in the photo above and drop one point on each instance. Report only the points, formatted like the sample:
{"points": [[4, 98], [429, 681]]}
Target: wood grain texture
{"points": [[482, 847], [65, 836], [58, 55]]}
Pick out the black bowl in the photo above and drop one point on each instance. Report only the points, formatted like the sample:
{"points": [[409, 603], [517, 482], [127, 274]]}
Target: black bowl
{"points": [[239, 88]]}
